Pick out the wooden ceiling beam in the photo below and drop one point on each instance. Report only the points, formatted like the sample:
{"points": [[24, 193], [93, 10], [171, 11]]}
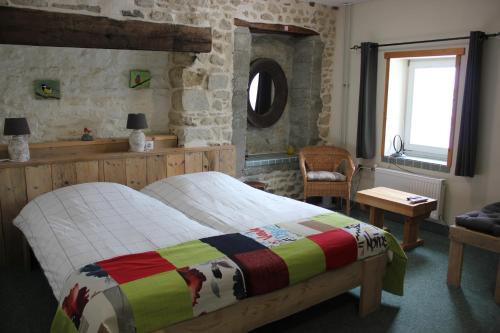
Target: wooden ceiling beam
{"points": [[21, 26], [258, 27]]}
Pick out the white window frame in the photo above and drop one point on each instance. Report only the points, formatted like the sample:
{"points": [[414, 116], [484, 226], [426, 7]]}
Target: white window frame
{"points": [[440, 154]]}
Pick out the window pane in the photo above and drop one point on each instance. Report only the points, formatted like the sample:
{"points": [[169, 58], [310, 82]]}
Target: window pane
{"points": [[432, 106]]}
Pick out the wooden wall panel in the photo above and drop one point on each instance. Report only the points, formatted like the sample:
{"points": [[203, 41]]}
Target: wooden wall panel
{"points": [[211, 160], [38, 180], [175, 164], [20, 182], [194, 162], [114, 171], [136, 172], [156, 168], [87, 172], [13, 198], [63, 174], [227, 161], [3, 258]]}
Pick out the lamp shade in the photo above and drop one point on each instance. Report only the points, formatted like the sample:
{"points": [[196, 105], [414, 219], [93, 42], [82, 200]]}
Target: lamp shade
{"points": [[16, 126], [136, 121]]}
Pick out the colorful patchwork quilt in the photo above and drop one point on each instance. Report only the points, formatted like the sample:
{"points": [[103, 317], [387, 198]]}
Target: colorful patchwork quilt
{"points": [[147, 291]]}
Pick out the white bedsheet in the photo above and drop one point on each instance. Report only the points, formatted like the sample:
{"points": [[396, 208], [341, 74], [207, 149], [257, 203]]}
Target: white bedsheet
{"points": [[227, 204], [76, 225]]}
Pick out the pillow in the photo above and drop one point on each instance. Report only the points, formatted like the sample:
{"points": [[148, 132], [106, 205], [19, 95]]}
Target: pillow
{"points": [[325, 176]]}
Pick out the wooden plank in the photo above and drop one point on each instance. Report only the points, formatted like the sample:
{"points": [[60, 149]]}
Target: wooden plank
{"points": [[227, 161], [425, 53], [22, 26], [69, 158], [371, 284], [211, 160], [3, 257], [256, 311], [156, 168], [455, 260], [87, 172], [377, 217], [13, 197], [38, 180], [63, 174], [395, 201], [101, 171], [115, 172], [194, 162], [477, 239], [175, 164], [136, 172], [259, 27]]}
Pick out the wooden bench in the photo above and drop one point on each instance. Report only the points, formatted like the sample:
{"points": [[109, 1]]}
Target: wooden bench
{"points": [[458, 238]]}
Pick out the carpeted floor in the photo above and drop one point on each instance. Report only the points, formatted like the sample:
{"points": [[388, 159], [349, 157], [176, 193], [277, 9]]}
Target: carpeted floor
{"points": [[27, 304]]}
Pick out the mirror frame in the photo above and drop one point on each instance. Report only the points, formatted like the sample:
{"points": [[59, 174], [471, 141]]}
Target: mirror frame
{"points": [[280, 93]]}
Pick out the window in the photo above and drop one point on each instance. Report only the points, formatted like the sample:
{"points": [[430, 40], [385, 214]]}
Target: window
{"points": [[420, 103]]}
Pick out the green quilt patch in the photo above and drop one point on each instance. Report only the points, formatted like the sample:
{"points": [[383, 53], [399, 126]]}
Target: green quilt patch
{"points": [[190, 253], [303, 257], [158, 300], [336, 220], [62, 323]]}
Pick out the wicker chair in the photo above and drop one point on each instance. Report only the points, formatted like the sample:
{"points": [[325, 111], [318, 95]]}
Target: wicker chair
{"points": [[327, 158]]}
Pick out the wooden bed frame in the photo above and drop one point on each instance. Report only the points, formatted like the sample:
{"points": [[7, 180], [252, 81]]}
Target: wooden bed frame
{"points": [[21, 182]]}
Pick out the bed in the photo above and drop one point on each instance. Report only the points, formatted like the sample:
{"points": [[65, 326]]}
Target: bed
{"points": [[146, 214]]}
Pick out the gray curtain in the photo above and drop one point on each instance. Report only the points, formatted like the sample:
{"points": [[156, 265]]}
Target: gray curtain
{"points": [[467, 142], [365, 144]]}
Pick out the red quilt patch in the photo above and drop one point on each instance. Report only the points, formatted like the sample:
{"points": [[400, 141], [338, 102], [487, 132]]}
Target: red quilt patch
{"points": [[132, 267], [339, 246], [264, 271]]}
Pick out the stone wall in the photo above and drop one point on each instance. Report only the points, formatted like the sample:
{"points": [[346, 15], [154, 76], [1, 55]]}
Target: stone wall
{"points": [[272, 139], [201, 85], [94, 89], [286, 182]]}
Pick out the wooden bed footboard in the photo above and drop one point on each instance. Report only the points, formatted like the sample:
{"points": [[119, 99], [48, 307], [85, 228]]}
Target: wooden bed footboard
{"points": [[257, 311]]}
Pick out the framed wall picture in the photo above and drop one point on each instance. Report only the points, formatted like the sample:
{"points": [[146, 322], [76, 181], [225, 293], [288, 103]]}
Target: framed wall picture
{"points": [[139, 79], [47, 89]]}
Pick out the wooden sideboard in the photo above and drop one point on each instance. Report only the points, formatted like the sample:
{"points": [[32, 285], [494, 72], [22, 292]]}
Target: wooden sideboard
{"points": [[22, 182]]}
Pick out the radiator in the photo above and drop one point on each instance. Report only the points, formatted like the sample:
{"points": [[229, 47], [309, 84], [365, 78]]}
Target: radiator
{"points": [[418, 184]]}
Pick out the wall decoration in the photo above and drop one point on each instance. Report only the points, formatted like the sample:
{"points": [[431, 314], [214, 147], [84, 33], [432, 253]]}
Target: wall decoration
{"points": [[139, 79], [47, 89]]}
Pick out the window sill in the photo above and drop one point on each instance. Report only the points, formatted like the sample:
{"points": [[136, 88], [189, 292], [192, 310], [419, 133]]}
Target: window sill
{"points": [[417, 162]]}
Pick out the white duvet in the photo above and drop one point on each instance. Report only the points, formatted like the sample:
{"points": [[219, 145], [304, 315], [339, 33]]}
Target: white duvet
{"points": [[76, 225], [225, 203]]}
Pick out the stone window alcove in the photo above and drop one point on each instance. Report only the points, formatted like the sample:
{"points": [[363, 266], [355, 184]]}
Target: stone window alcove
{"points": [[264, 149]]}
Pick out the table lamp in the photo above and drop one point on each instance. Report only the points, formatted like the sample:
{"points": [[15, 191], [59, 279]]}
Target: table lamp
{"points": [[137, 140], [18, 146]]}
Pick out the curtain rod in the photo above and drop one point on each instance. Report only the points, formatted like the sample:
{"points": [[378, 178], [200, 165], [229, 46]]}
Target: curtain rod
{"points": [[355, 47]]}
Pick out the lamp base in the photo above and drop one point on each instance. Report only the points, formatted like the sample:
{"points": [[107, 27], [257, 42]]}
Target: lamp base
{"points": [[18, 149], [137, 141]]}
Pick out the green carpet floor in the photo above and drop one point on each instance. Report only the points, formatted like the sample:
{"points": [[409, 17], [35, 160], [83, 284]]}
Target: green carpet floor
{"points": [[27, 304]]}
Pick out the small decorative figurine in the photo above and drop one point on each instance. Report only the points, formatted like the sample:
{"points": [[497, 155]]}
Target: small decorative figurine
{"points": [[87, 136], [290, 150]]}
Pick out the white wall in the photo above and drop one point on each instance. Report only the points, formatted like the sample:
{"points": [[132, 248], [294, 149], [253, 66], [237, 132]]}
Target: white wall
{"points": [[386, 21]]}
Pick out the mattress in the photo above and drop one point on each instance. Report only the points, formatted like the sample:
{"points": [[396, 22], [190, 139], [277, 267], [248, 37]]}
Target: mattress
{"points": [[77, 225], [225, 203]]}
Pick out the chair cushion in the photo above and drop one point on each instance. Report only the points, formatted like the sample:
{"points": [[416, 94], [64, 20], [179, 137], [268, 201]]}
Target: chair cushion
{"points": [[486, 220], [325, 176]]}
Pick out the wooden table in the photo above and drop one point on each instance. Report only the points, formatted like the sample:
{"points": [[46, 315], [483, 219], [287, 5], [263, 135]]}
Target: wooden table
{"points": [[382, 199], [458, 238]]}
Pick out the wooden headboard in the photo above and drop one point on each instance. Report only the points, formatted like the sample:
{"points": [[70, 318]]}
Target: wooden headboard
{"points": [[22, 182]]}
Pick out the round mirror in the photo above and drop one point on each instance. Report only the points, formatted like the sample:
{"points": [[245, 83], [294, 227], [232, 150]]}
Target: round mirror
{"points": [[267, 93]]}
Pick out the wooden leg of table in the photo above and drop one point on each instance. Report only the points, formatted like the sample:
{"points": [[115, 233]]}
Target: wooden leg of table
{"points": [[371, 284], [348, 206], [455, 259], [497, 288], [377, 217], [410, 233]]}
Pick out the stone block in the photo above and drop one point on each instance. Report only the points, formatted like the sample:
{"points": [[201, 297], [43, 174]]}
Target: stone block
{"points": [[217, 81], [194, 100], [144, 3], [32, 3], [133, 13]]}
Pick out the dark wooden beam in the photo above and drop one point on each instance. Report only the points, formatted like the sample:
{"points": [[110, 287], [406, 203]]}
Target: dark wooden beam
{"points": [[41, 28], [275, 28]]}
